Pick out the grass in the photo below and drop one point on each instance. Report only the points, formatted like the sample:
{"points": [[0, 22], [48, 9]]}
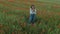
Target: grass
{"points": [[14, 19]]}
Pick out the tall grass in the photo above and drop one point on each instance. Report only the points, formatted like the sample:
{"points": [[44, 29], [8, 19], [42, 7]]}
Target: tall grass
{"points": [[14, 21]]}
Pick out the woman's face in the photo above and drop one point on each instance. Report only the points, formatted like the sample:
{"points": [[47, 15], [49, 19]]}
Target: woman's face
{"points": [[33, 7]]}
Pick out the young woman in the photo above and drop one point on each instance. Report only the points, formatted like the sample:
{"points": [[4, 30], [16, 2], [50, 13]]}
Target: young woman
{"points": [[32, 14]]}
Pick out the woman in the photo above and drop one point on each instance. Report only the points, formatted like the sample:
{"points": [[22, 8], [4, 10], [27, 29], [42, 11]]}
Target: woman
{"points": [[32, 14]]}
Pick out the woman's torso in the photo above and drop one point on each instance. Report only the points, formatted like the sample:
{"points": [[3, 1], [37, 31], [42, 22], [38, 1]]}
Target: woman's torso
{"points": [[32, 11]]}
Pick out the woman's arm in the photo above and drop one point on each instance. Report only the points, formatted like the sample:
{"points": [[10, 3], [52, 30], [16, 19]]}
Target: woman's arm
{"points": [[34, 11], [30, 11]]}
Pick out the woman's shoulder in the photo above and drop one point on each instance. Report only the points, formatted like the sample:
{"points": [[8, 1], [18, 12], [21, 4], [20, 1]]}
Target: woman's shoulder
{"points": [[30, 9]]}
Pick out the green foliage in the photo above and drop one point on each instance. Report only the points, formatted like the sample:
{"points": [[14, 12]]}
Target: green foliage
{"points": [[16, 20]]}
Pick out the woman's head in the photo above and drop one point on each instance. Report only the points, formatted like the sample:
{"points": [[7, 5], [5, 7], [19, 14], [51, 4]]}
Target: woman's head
{"points": [[33, 6]]}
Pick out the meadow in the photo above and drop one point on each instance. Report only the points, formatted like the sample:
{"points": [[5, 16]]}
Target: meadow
{"points": [[14, 17]]}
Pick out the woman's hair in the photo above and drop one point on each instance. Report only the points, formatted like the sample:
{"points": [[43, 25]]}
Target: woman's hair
{"points": [[33, 6]]}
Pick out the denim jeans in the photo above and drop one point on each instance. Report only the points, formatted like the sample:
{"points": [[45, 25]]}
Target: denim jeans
{"points": [[32, 18]]}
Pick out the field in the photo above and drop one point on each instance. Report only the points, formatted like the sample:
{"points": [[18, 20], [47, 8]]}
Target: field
{"points": [[14, 16]]}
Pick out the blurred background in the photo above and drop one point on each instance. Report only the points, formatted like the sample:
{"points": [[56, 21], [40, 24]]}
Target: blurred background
{"points": [[14, 16]]}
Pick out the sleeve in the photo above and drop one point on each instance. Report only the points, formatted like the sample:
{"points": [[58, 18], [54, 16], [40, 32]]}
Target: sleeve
{"points": [[30, 11]]}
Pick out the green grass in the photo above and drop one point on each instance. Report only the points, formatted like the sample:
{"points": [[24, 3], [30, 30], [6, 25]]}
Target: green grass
{"points": [[51, 1], [14, 20]]}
